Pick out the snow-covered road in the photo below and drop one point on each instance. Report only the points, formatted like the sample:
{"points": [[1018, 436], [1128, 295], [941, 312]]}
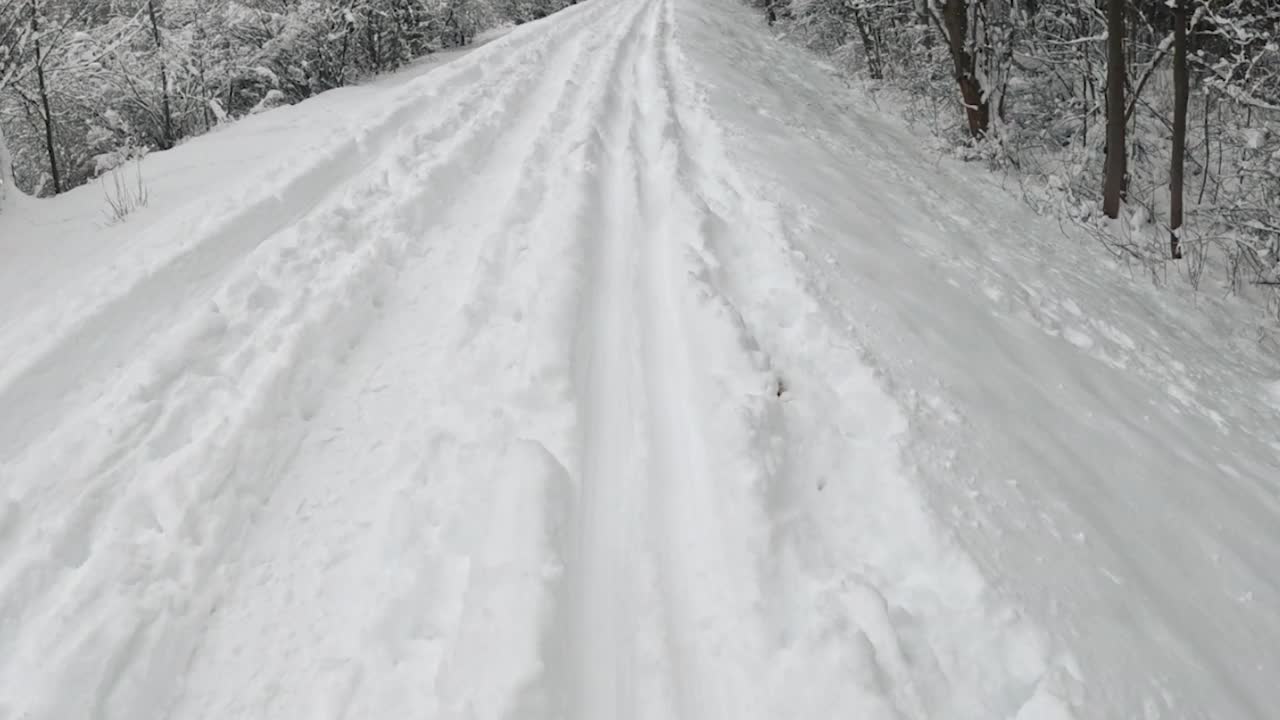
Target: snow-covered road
{"points": [[616, 371]]}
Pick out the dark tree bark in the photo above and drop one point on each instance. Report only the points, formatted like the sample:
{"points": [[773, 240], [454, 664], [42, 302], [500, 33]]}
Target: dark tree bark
{"points": [[49, 142], [167, 139], [1180, 92], [341, 78], [372, 41], [1116, 164], [875, 66], [955, 16], [6, 171]]}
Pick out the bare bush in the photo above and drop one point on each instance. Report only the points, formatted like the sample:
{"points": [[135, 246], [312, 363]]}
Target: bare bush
{"points": [[124, 193]]}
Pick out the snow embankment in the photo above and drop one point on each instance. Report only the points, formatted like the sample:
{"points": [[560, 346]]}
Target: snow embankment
{"points": [[904, 623], [1099, 447]]}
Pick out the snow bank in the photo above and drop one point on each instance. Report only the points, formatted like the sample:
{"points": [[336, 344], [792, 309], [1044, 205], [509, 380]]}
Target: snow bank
{"points": [[1098, 450]]}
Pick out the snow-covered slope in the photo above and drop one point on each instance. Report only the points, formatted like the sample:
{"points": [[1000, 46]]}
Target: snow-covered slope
{"points": [[1108, 454], [623, 368]]}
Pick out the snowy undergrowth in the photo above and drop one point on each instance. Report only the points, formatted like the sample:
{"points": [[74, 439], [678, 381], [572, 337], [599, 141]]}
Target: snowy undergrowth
{"points": [[1051, 159]]}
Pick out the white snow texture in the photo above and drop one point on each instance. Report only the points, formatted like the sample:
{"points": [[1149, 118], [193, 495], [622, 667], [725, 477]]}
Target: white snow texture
{"points": [[627, 367]]}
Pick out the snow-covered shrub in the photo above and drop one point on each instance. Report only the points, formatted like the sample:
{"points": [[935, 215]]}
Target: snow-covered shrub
{"points": [[84, 80], [125, 191]]}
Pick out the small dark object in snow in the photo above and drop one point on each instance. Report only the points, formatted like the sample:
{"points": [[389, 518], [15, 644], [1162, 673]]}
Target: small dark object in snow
{"points": [[781, 388]]}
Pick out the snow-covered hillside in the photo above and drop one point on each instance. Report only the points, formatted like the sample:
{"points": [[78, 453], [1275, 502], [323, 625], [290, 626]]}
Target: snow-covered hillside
{"points": [[625, 367]]}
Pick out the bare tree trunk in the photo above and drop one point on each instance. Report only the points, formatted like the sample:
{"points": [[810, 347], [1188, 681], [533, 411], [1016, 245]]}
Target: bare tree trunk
{"points": [[993, 40], [205, 98], [1204, 176], [7, 188], [371, 39], [342, 58], [874, 65], [168, 139], [206, 94], [1116, 164], [1180, 92], [50, 145], [977, 111]]}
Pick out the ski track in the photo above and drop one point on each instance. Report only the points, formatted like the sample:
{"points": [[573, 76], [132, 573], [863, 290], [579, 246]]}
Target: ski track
{"points": [[504, 423]]}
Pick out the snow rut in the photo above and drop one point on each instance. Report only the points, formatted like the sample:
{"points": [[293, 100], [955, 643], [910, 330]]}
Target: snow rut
{"points": [[658, 615], [601, 665], [473, 472], [202, 425]]}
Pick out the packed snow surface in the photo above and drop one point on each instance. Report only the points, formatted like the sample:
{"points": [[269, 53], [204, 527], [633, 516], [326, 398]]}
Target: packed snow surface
{"points": [[628, 367]]}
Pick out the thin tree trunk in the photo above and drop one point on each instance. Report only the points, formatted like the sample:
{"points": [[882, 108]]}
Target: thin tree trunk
{"points": [[1180, 92], [1131, 32], [874, 66], [205, 98], [1204, 175], [1086, 75], [1116, 165], [342, 58], [168, 140], [371, 39], [50, 145], [7, 188]]}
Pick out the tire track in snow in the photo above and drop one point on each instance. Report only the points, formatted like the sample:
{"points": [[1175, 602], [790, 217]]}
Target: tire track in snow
{"points": [[525, 193], [510, 386], [602, 583], [649, 588], [518, 358], [706, 572], [190, 424], [859, 671], [485, 559], [537, 107]]}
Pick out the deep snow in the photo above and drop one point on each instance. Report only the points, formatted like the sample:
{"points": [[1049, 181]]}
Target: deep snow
{"points": [[625, 367]]}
